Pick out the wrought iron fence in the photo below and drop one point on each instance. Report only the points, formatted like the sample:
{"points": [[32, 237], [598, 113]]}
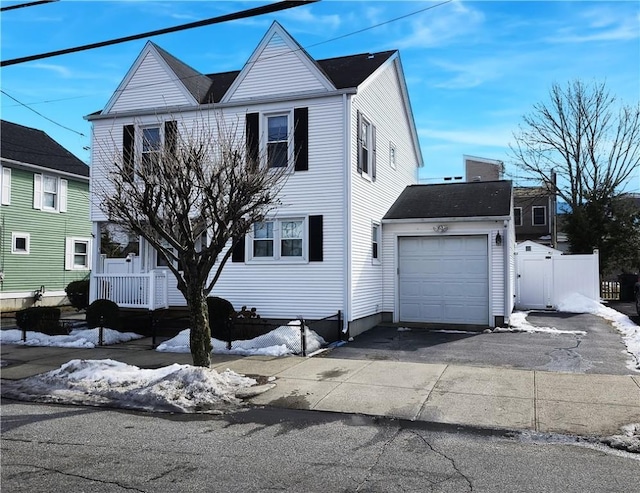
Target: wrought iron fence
{"points": [[610, 290]]}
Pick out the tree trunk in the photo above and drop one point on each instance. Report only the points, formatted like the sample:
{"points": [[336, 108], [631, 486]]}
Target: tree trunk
{"points": [[200, 339]]}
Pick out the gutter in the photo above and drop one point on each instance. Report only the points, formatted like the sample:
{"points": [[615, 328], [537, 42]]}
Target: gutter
{"points": [[43, 169], [172, 110], [445, 219]]}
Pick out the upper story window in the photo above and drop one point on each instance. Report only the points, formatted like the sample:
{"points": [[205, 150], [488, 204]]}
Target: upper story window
{"points": [[279, 239], [517, 216], [49, 193], [392, 155], [151, 147], [539, 215], [278, 141], [366, 141]]}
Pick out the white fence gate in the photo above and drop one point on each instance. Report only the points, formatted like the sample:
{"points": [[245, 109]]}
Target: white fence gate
{"points": [[545, 278]]}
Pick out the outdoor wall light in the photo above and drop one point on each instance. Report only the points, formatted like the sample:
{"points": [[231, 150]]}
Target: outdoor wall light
{"points": [[441, 228], [498, 239]]}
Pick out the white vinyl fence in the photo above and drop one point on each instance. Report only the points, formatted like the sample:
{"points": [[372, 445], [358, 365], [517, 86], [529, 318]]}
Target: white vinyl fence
{"points": [[544, 279]]}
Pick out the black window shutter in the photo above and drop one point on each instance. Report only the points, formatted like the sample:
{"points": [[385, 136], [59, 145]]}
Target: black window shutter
{"points": [[359, 142], [373, 155], [128, 154], [301, 138], [315, 239], [170, 136], [252, 130], [238, 251]]}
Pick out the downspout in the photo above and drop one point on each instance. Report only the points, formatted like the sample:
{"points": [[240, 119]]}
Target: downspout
{"points": [[506, 262], [347, 213]]}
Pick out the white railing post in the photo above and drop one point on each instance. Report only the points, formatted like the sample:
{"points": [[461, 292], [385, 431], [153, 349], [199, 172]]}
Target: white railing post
{"points": [[152, 290]]}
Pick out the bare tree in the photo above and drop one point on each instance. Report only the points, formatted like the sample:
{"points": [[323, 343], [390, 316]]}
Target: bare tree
{"points": [[189, 199], [592, 146]]}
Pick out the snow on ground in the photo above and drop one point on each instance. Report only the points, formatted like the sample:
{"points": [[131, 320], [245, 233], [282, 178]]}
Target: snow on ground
{"points": [[577, 303], [174, 388], [77, 338], [518, 323], [279, 342]]}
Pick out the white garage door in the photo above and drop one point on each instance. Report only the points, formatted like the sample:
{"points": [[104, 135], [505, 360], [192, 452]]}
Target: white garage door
{"points": [[444, 279]]}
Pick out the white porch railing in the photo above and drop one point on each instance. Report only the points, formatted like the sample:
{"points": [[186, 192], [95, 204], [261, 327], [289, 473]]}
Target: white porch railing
{"points": [[148, 291]]}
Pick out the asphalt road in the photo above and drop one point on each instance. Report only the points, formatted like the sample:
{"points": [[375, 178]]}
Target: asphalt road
{"points": [[601, 350], [48, 448]]}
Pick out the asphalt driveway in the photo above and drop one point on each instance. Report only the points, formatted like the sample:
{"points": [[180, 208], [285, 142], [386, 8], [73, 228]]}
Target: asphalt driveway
{"points": [[601, 350]]}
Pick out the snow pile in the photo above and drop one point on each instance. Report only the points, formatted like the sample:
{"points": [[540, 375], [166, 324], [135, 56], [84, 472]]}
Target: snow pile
{"points": [[628, 440], [518, 323], [577, 303], [78, 338], [174, 388], [279, 342]]}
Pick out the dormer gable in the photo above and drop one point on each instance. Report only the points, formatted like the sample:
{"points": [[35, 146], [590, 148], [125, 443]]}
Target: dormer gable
{"points": [[278, 66], [158, 80]]}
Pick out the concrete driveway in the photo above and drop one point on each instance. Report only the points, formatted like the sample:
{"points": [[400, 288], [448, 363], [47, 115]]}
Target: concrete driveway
{"points": [[601, 350]]}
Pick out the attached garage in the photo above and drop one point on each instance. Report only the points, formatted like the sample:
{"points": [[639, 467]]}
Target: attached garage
{"points": [[444, 279], [452, 246]]}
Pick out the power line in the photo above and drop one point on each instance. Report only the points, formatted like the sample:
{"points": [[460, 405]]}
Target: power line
{"points": [[243, 14], [29, 4], [40, 114]]}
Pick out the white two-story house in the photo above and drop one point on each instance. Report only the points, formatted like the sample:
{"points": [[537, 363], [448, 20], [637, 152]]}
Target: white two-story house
{"points": [[354, 150]]}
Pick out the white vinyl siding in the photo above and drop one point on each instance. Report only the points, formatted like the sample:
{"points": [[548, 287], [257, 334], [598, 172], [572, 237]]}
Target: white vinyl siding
{"points": [[382, 104], [6, 186], [151, 86], [275, 69]]}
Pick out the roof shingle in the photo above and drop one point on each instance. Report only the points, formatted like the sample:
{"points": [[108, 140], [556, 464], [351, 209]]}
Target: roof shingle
{"points": [[475, 199], [31, 146]]}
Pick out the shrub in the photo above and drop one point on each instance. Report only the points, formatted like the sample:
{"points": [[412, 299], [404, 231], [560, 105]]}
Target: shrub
{"points": [[43, 319], [246, 313], [220, 311], [78, 293], [103, 313]]}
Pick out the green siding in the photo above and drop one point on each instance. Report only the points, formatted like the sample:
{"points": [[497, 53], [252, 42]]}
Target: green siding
{"points": [[45, 264]]}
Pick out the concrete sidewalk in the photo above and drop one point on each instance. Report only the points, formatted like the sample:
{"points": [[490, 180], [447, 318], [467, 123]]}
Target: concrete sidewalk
{"points": [[486, 397]]}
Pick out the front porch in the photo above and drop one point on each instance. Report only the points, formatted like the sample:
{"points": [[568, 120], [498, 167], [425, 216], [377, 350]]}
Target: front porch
{"points": [[147, 290]]}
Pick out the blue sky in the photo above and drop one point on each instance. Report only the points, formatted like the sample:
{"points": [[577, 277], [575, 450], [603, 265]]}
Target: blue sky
{"points": [[473, 68]]}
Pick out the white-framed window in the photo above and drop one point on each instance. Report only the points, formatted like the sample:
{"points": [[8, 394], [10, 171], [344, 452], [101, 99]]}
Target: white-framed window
{"points": [[6, 186], [279, 239], [517, 216], [393, 155], [375, 242], [539, 215], [278, 131], [20, 243], [49, 193], [150, 145], [78, 253], [365, 135]]}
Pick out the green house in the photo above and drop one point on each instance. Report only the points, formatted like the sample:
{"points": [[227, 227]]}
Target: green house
{"points": [[45, 231]]}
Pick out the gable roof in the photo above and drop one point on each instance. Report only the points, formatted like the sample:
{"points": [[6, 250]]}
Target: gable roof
{"points": [[475, 199], [196, 83], [32, 146]]}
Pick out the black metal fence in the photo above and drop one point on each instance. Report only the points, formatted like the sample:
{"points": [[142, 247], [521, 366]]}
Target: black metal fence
{"points": [[610, 290]]}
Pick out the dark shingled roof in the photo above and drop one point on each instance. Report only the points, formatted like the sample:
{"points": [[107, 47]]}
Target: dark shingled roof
{"points": [[344, 72], [196, 83], [32, 146], [475, 199]]}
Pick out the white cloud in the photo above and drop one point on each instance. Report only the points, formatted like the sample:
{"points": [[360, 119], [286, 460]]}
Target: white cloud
{"points": [[58, 69], [441, 26], [485, 137], [600, 24]]}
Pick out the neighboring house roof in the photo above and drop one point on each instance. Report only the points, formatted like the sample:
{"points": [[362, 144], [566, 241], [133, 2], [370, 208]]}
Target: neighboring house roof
{"points": [[31, 146], [475, 199]]}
